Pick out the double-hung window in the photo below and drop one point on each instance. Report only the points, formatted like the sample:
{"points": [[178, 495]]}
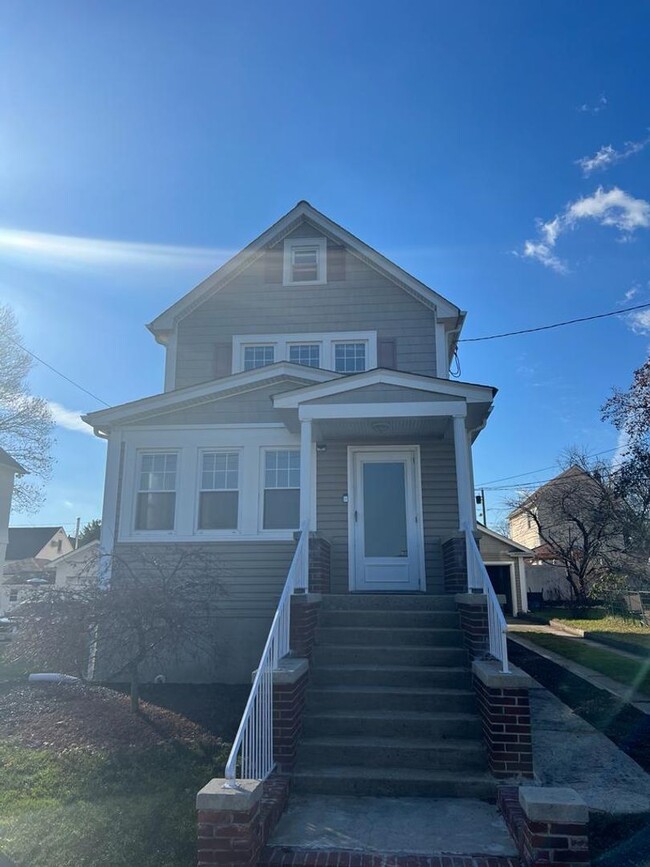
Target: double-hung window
{"points": [[305, 261], [349, 357], [258, 356], [156, 496], [219, 491], [305, 353], [281, 498]]}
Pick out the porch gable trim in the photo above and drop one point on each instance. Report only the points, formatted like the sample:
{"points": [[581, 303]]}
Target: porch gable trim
{"points": [[454, 408]]}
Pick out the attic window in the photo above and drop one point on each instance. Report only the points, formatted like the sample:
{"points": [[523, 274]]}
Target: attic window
{"points": [[305, 261]]}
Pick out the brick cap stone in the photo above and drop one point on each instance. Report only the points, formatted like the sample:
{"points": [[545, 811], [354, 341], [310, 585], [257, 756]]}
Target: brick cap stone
{"points": [[478, 599], [306, 598], [489, 672], [290, 669], [217, 797], [544, 804]]}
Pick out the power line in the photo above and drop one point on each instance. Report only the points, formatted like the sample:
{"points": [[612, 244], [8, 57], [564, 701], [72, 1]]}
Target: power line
{"points": [[58, 372], [555, 325], [541, 470]]}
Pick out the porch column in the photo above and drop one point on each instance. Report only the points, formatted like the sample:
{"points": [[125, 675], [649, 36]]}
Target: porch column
{"points": [[305, 487], [466, 513]]}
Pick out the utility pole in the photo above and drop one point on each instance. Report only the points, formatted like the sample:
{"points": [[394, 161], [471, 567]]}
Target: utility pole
{"points": [[483, 507], [76, 534]]}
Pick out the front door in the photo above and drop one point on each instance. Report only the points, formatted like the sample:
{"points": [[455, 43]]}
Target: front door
{"points": [[385, 521]]}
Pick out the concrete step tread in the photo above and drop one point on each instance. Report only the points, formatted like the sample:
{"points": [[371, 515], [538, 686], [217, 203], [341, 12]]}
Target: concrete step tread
{"points": [[392, 742], [390, 648], [369, 773], [358, 666], [397, 715], [395, 690], [353, 627]]}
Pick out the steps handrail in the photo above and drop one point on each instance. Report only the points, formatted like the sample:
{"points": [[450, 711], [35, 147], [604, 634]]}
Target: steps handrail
{"points": [[254, 739], [478, 580]]}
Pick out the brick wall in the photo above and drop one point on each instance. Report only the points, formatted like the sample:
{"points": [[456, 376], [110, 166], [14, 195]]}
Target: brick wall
{"points": [[304, 618], [454, 558], [472, 608], [288, 707], [320, 566], [505, 714]]}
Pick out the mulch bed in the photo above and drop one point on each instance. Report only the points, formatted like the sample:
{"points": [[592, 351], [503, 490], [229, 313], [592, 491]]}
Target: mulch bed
{"points": [[62, 717]]}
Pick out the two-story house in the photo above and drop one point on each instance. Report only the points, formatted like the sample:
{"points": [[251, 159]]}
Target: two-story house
{"points": [[306, 383]]}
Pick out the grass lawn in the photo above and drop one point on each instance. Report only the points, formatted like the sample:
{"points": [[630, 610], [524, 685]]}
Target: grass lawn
{"points": [[593, 620], [85, 783], [621, 668]]}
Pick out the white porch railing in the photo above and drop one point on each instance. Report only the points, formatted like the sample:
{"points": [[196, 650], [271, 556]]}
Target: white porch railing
{"points": [[479, 580], [253, 744]]}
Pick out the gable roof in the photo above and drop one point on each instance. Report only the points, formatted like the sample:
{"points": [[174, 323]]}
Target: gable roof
{"points": [[7, 461], [282, 372], [302, 212], [25, 542], [499, 537]]}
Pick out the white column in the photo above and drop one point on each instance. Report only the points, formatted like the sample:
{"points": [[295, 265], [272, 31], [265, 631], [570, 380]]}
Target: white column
{"points": [[466, 513], [305, 490]]}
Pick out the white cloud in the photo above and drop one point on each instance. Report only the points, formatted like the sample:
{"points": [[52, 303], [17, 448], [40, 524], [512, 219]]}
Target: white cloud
{"points": [[608, 156], [68, 418], [37, 248], [613, 207], [599, 105], [639, 321], [631, 293]]}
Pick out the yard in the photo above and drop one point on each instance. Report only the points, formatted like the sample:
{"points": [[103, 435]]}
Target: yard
{"points": [[85, 782]]}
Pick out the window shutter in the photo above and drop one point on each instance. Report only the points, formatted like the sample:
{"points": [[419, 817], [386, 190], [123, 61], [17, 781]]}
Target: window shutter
{"points": [[273, 266], [222, 360], [387, 353], [335, 264]]}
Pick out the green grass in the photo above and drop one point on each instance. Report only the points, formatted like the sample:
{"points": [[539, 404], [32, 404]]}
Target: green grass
{"points": [[592, 620], [76, 808], [627, 671]]}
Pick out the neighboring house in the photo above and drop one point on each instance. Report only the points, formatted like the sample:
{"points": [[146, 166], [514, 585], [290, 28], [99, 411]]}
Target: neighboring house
{"points": [[77, 565], [29, 558], [505, 561], [306, 383], [9, 469]]}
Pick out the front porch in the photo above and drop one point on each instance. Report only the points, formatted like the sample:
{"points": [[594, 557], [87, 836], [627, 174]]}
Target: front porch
{"points": [[386, 474]]}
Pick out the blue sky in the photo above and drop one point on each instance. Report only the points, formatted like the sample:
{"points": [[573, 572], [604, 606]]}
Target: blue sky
{"points": [[143, 143]]}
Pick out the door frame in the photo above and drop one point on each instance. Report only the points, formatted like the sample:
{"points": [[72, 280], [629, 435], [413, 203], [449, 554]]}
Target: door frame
{"points": [[513, 581], [417, 483]]}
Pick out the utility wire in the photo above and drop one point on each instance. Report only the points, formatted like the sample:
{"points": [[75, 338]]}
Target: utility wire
{"points": [[555, 325], [58, 372], [541, 470]]}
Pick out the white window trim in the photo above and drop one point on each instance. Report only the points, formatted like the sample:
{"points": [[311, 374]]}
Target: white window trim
{"points": [[249, 439], [154, 534], [321, 245], [254, 345], [214, 533], [326, 341]]}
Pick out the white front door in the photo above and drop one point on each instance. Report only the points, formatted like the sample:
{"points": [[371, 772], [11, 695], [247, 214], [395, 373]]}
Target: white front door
{"points": [[386, 547]]}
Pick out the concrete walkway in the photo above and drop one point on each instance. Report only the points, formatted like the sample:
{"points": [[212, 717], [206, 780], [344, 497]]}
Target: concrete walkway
{"points": [[395, 825]]}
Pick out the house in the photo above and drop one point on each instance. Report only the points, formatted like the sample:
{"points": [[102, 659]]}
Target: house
{"points": [[9, 469], [29, 556], [80, 564], [505, 562], [306, 382]]}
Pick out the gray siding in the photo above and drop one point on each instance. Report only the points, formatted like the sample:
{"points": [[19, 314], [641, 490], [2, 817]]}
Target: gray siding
{"points": [[383, 394], [256, 302], [439, 502], [249, 577]]}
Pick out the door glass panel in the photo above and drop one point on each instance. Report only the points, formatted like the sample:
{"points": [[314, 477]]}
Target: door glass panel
{"points": [[384, 505]]}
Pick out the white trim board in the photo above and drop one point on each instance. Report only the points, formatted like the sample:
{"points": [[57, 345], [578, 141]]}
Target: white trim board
{"points": [[469, 392], [383, 410], [303, 211]]}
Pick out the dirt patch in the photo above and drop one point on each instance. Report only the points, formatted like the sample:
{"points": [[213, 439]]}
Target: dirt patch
{"points": [[62, 717]]}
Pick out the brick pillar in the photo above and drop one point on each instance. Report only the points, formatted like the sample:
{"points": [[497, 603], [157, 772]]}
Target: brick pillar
{"points": [[549, 825], [230, 828], [319, 564], [304, 618], [505, 713], [454, 558], [472, 608], [289, 687]]}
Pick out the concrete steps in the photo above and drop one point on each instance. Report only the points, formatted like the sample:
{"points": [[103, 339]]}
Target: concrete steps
{"points": [[390, 708]]}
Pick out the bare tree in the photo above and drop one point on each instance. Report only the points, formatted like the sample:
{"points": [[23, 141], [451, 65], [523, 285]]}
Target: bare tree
{"points": [[629, 411], [25, 421], [157, 609], [578, 517]]}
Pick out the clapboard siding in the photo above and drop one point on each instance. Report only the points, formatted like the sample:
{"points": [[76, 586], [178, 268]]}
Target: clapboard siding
{"points": [[439, 503], [382, 394], [252, 407], [250, 304]]}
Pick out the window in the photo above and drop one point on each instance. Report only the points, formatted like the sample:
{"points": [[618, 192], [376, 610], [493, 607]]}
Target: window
{"points": [[281, 489], [219, 491], [13, 596], [305, 261], [349, 357], [156, 499], [305, 353], [258, 356]]}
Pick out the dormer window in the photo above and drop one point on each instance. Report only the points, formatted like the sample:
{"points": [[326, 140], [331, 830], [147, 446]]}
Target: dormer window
{"points": [[305, 261]]}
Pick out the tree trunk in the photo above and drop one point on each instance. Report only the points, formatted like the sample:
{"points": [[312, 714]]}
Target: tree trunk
{"points": [[135, 689]]}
